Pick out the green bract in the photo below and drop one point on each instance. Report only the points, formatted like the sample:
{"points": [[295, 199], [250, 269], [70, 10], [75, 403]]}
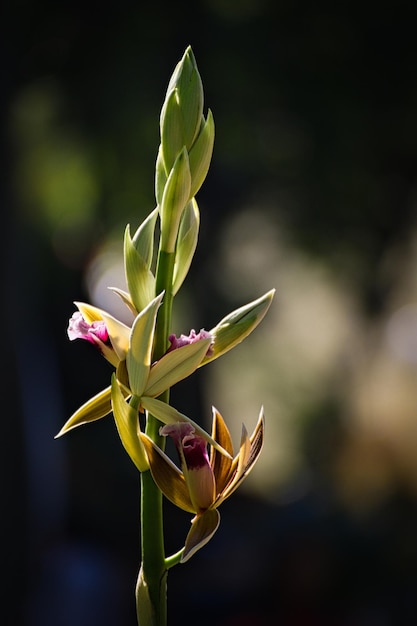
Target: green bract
{"points": [[186, 243], [174, 198], [138, 255]]}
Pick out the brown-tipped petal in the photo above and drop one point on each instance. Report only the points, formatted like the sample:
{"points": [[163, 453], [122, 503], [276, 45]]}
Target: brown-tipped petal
{"points": [[250, 450], [202, 529], [256, 442], [221, 464], [167, 476]]}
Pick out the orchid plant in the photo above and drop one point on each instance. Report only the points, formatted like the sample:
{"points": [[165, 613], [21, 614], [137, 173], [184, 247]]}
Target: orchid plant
{"points": [[148, 359]]}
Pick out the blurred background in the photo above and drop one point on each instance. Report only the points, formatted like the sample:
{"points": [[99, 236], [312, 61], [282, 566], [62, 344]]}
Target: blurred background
{"points": [[312, 191]]}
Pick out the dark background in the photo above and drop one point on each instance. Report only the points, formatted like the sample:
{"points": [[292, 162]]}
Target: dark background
{"points": [[316, 124]]}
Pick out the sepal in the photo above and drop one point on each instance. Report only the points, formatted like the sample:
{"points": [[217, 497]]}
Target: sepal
{"points": [[202, 530], [175, 366], [138, 358], [127, 424]]}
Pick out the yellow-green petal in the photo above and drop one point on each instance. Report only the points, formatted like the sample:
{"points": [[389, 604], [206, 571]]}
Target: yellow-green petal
{"points": [[94, 409], [127, 423], [138, 359]]}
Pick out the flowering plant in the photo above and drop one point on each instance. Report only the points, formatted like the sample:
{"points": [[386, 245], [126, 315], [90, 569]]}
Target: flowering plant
{"points": [[148, 359]]}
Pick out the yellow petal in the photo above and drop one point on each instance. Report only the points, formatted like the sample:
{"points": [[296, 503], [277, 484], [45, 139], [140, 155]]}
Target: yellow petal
{"points": [[167, 476], [202, 529], [93, 409]]}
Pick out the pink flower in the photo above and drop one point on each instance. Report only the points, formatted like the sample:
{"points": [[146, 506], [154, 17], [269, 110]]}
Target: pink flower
{"points": [[184, 340], [78, 328]]}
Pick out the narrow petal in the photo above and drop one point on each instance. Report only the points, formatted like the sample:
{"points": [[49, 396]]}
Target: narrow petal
{"points": [[202, 530], [221, 464], [127, 423], [167, 476], [93, 409], [249, 452]]}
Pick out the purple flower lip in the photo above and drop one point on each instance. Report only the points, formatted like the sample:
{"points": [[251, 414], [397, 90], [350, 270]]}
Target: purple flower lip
{"points": [[193, 447], [185, 340], [78, 328]]}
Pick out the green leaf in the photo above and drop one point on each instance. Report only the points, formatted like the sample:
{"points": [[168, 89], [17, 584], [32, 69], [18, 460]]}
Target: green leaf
{"points": [[127, 423], [138, 359]]}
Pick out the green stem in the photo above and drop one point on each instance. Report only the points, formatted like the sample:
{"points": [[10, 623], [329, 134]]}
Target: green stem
{"points": [[151, 594]]}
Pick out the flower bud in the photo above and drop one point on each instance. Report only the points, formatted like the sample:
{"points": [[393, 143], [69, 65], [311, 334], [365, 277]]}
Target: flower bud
{"points": [[181, 113]]}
